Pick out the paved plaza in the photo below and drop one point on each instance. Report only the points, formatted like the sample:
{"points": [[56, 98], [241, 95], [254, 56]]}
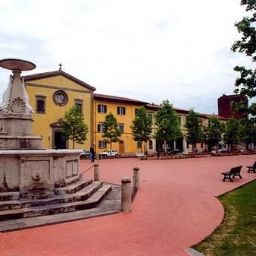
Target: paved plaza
{"points": [[175, 208]]}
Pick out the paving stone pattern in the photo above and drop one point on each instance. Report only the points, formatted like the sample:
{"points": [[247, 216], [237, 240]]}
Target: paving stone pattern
{"points": [[174, 208]]}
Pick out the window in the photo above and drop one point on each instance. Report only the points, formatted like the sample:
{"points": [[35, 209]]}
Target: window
{"points": [[102, 108], [60, 98], [102, 144], [136, 111], [100, 127], [150, 145], [79, 104], [121, 110], [40, 104], [121, 128]]}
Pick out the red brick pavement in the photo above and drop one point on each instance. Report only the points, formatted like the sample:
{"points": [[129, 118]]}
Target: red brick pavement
{"points": [[174, 208]]}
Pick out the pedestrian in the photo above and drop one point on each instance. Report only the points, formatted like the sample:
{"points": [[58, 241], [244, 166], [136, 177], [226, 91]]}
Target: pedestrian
{"points": [[92, 154]]}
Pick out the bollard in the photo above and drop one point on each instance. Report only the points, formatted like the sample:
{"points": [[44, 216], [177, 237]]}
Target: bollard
{"points": [[126, 196], [136, 178], [96, 172]]}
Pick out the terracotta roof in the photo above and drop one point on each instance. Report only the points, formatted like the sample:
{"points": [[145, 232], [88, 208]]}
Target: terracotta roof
{"points": [[212, 115], [58, 73], [184, 111], [117, 98], [156, 106], [152, 106]]}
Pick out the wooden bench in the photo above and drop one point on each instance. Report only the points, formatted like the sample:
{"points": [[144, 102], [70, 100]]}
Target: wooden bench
{"points": [[252, 168], [234, 171]]}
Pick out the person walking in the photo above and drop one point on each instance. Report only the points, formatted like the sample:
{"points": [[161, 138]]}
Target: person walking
{"points": [[92, 154]]}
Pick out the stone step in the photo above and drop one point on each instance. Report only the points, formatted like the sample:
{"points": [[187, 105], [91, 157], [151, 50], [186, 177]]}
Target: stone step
{"points": [[71, 180], [110, 204], [37, 194], [82, 194], [8, 205], [73, 187], [55, 208], [96, 197], [7, 196]]}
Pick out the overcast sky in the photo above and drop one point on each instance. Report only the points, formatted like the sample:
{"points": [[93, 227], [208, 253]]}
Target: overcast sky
{"points": [[149, 50]]}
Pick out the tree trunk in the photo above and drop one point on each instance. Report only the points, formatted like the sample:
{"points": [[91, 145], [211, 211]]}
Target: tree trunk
{"points": [[145, 147], [193, 148], [165, 148]]}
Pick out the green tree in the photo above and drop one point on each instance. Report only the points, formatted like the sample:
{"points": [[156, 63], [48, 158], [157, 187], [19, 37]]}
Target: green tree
{"points": [[141, 126], [74, 127], [168, 125], [233, 133], [249, 132], [213, 131], [110, 129], [245, 83], [194, 129]]}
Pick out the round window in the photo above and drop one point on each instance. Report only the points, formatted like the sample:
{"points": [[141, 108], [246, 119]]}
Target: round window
{"points": [[60, 98]]}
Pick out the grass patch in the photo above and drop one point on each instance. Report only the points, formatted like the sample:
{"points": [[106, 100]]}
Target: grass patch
{"points": [[236, 236]]}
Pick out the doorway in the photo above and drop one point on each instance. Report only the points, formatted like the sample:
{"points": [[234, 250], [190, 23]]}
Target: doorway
{"points": [[121, 147], [60, 141]]}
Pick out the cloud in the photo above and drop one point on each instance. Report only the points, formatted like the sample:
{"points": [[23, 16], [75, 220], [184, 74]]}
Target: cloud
{"points": [[149, 50]]}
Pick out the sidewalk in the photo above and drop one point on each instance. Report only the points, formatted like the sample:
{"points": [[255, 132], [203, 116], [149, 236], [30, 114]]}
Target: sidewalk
{"points": [[174, 208]]}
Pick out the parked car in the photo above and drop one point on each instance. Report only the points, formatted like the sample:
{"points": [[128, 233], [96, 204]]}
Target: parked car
{"points": [[108, 153], [139, 154], [85, 154], [173, 151], [221, 150]]}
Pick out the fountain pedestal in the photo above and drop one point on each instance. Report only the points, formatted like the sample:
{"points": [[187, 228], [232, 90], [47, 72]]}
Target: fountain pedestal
{"points": [[15, 132]]}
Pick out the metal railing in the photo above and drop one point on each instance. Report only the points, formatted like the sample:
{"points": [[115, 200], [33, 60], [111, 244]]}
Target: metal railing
{"points": [[88, 169], [96, 172]]}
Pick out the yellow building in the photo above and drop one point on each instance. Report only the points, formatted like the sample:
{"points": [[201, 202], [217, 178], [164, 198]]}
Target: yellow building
{"points": [[51, 94], [123, 110]]}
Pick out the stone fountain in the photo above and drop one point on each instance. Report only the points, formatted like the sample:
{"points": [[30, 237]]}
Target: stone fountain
{"points": [[24, 166], [36, 181]]}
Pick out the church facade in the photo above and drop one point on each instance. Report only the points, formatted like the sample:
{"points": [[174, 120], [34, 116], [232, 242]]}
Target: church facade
{"points": [[51, 95]]}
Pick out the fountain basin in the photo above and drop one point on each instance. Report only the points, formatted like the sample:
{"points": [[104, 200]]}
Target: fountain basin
{"points": [[30, 170]]}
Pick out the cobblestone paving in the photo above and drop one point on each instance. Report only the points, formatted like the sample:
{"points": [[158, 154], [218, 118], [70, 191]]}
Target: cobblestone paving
{"points": [[174, 208]]}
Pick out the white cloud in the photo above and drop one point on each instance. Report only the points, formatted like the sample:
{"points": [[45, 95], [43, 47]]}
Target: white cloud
{"points": [[149, 50]]}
